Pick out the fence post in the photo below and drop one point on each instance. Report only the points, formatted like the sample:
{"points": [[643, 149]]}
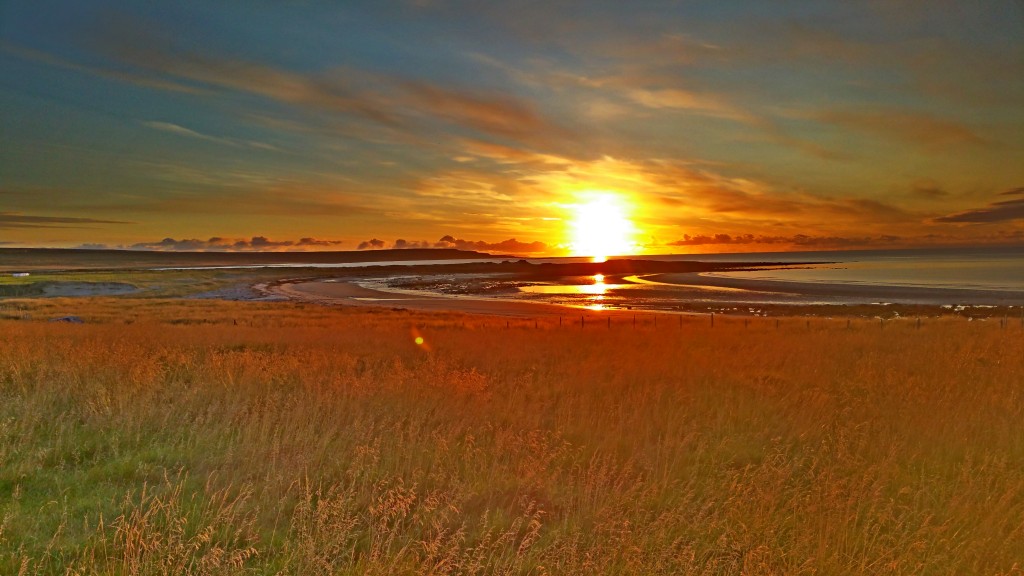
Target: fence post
{"points": [[712, 319]]}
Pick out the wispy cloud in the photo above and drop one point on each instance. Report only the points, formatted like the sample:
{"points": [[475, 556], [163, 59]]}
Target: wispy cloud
{"points": [[708, 118], [392, 102], [120, 75], [1000, 211], [679, 99], [179, 130], [928, 189], [922, 130], [17, 220], [488, 113]]}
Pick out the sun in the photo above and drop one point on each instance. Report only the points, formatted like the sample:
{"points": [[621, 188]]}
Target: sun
{"points": [[601, 227]]}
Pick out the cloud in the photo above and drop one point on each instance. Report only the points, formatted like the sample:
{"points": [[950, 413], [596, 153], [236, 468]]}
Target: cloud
{"points": [[923, 130], [648, 78], [494, 114], [402, 244], [695, 189], [675, 98], [308, 242], [664, 195], [182, 131], [219, 244], [373, 244], [187, 132], [392, 102], [511, 245], [138, 80], [928, 189], [1001, 211], [800, 240], [150, 48], [17, 220]]}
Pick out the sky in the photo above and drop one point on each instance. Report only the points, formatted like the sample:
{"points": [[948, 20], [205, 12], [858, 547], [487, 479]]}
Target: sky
{"points": [[344, 125]]}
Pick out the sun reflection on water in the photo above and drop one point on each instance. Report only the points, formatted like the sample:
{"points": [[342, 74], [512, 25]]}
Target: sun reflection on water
{"points": [[598, 288], [592, 295]]}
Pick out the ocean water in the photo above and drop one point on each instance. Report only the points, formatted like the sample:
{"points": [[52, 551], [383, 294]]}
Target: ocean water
{"points": [[948, 277], [927, 276], [970, 269]]}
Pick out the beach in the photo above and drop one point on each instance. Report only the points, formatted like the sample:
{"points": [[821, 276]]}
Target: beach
{"points": [[350, 293], [664, 293]]}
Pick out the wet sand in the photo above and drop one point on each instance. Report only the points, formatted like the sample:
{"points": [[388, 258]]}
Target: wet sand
{"points": [[351, 294], [845, 292], [693, 290]]}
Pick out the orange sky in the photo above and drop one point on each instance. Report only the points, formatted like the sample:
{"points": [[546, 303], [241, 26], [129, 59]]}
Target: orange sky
{"points": [[739, 127]]}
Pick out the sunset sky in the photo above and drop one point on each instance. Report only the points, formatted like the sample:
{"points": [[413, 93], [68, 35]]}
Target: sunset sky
{"points": [[715, 126]]}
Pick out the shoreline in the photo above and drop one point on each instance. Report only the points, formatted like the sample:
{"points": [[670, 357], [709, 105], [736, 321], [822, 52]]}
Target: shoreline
{"points": [[349, 293], [928, 302], [906, 295]]}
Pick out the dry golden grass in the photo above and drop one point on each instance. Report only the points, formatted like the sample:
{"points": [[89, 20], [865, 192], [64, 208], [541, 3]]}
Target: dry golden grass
{"points": [[162, 438]]}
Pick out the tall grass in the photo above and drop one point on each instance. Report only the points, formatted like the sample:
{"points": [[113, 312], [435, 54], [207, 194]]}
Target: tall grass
{"points": [[306, 440]]}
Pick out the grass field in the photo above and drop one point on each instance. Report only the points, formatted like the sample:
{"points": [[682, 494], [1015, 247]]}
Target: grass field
{"points": [[148, 283], [171, 437]]}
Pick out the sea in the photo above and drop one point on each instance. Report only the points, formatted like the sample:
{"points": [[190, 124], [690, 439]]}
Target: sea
{"points": [[999, 268], [950, 277]]}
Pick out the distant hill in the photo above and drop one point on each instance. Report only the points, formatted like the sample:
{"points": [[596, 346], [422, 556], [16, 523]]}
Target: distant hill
{"points": [[31, 259]]}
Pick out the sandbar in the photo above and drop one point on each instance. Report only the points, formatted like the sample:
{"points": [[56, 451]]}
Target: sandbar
{"points": [[846, 292], [691, 290], [352, 294]]}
